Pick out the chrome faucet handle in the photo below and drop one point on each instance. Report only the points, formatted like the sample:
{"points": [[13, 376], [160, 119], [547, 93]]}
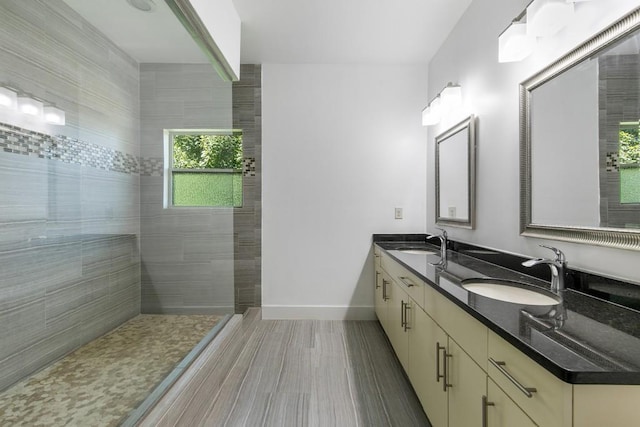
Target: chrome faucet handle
{"points": [[444, 232], [559, 254]]}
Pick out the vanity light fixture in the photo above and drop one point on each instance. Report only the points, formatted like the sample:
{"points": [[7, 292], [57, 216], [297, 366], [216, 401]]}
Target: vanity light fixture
{"points": [[8, 97], [514, 44], [547, 17], [429, 118], [436, 106], [30, 106], [449, 98], [54, 115], [541, 18]]}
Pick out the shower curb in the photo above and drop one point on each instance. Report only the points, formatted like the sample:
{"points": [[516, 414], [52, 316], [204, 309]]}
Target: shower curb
{"points": [[137, 414]]}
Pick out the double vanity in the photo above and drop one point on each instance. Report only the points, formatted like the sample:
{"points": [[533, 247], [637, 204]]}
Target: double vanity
{"points": [[487, 345]]}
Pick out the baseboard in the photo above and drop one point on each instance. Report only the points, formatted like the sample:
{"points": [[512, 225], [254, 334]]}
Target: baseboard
{"points": [[318, 312]]}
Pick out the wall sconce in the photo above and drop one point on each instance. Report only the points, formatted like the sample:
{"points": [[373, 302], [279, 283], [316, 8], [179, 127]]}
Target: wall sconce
{"points": [[541, 18], [448, 99], [8, 97]]}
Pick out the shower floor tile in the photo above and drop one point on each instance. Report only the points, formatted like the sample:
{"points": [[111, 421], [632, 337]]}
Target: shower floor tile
{"points": [[100, 383]]}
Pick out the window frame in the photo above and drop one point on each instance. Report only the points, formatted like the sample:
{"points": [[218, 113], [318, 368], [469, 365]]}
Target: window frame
{"points": [[168, 170]]}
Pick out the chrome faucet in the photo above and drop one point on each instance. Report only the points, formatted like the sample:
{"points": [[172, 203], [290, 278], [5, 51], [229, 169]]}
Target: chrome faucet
{"points": [[557, 267], [443, 247]]}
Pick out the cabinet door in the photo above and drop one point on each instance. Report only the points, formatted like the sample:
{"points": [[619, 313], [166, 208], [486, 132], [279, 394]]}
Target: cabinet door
{"points": [[467, 384], [397, 334], [379, 303], [502, 412], [426, 342]]}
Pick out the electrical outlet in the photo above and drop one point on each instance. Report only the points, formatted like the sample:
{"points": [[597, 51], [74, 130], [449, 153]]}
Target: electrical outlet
{"points": [[452, 212], [398, 213]]}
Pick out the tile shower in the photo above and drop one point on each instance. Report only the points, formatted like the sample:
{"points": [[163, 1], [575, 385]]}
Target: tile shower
{"points": [[69, 195], [84, 242]]}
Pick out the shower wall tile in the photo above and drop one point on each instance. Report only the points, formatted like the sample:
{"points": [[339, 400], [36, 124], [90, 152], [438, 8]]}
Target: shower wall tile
{"points": [[69, 195], [619, 88], [24, 194], [187, 253], [73, 285], [247, 220], [50, 52]]}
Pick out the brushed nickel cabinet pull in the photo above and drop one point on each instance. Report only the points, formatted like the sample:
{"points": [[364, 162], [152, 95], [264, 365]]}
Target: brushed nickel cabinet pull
{"points": [[500, 366], [485, 405], [445, 368], [438, 374], [405, 280], [384, 290], [406, 316], [402, 314], [377, 275]]}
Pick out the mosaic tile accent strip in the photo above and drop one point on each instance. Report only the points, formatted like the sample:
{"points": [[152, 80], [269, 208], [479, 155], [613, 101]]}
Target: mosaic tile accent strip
{"points": [[16, 140], [151, 166], [612, 162], [249, 166]]}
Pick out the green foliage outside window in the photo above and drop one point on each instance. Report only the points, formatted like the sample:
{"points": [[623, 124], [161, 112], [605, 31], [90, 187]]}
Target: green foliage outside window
{"points": [[212, 170], [629, 145], [207, 152], [629, 159]]}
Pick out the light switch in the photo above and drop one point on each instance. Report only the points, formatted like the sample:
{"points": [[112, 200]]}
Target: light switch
{"points": [[398, 213], [452, 212]]}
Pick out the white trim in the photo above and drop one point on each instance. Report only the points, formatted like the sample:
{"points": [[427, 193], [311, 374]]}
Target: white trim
{"points": [[318, 312]]}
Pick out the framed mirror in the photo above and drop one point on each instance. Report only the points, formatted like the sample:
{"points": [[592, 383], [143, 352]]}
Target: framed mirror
{"points": [[580, 143], [455, 175]]}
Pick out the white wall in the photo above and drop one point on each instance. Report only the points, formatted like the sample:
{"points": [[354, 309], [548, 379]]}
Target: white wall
{"points": [[342, 146], [469, 57]]}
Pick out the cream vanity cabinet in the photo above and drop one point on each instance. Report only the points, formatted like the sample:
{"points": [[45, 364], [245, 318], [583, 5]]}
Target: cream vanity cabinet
{"points": [[446, 375], [466, 375], [381, 283], [448, 382]]}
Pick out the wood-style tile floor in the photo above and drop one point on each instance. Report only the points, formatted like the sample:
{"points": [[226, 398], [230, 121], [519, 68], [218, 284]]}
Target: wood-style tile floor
{"points": [[292, 373]]}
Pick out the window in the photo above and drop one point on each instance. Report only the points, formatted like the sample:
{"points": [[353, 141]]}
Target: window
{"points": [[204, 168], [629, 162]]}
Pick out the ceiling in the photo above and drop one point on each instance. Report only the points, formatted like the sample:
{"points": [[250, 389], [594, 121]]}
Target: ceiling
{"points": [[289, 31], [345, 31]]}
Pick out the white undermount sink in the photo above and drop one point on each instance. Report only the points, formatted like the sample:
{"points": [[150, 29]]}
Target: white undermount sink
{"points": [[509, 291], [416, 251]]}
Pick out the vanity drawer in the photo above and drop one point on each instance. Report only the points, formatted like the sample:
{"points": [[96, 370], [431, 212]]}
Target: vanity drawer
{"points": [[469, 333], [551, 402], [413, 286]]}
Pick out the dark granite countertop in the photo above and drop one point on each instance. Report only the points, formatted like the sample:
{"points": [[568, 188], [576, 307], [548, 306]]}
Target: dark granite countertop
{"points": [[598, 342]]}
